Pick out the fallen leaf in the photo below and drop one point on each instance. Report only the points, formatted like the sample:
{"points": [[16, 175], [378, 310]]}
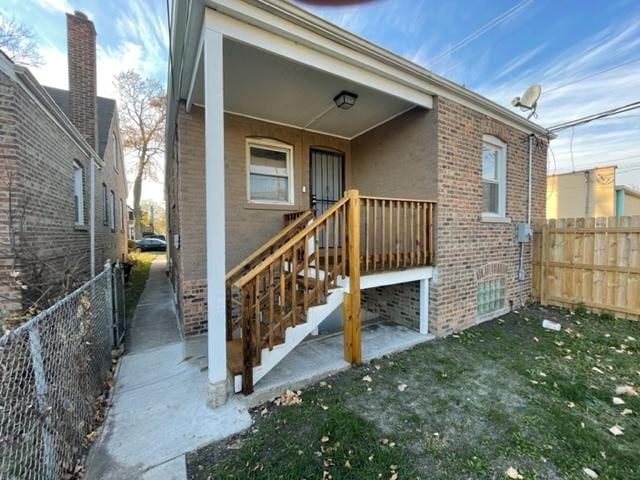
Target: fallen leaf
{"points": [[626, 390], [616, 431], [366, 378], [535, 339], [589, 473], [402, 387], [394, 476], [377, 367], [571, 405], [347, 464], [324, 439], [618, 401], [626, 411], [513, 473], [289, 398], [324, 407]]}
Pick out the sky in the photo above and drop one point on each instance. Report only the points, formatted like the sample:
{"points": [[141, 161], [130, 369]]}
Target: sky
{"points": [[585, 55]]}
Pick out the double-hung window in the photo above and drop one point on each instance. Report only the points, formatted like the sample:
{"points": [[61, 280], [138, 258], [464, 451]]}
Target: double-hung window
{"points": [[269, 172], [78, 193], [112, 210], [105, 205], [494, 176]]}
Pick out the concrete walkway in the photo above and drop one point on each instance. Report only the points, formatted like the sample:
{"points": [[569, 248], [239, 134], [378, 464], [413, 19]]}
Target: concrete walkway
{"points": [[159, 410]]}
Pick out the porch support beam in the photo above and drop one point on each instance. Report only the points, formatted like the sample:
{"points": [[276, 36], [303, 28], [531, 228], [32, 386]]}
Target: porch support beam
{"points": [[215, 217], [424, 306], [351, 307]]}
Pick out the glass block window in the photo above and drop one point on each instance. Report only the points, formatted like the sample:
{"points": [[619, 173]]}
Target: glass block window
{"points": [[491, 296]]}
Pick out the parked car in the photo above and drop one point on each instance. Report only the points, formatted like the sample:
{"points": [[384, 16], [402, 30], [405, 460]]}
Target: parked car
{"points": [[151, 245], [159, 236]]}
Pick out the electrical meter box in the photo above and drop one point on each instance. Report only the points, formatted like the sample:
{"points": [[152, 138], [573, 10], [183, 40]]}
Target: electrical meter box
{"points": [[524, 232]]}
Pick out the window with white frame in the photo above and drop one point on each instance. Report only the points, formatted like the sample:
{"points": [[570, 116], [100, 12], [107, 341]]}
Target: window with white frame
{"points": [[112, 210], [105, 205], [78, 193], [121, 215], [494, 176], [269, 171]]}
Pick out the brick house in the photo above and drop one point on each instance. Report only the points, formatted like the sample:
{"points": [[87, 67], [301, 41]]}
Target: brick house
{"points": [[57, 149], [311, 174]]}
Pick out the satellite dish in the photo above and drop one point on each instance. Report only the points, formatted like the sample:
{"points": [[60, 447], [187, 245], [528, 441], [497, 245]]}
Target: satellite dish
{"points": [[529, 99]]}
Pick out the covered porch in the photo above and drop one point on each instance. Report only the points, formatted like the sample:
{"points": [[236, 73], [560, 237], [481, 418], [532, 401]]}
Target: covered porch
{"points": [[317, 181]]}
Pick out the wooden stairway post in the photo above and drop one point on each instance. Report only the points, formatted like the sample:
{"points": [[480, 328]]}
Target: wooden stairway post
{"points": [[351, 307]]}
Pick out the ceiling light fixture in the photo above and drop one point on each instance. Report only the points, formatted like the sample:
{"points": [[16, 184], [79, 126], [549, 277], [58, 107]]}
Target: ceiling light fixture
{"points": [[345, 100]]}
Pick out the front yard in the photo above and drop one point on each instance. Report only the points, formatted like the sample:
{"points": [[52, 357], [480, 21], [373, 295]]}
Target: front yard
{"points": [[506, 399]]}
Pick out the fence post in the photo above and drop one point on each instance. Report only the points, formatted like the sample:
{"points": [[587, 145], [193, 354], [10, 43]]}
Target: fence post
{"points": [[48, 448], [544, 236]]}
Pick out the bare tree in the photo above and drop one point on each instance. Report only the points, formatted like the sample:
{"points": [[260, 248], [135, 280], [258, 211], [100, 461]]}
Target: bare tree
{"points": [[18, 42], [142, 117]]}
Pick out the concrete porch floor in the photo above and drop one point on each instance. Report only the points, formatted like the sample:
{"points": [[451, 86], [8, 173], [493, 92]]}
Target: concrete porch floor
{"points": [[319, 357]]}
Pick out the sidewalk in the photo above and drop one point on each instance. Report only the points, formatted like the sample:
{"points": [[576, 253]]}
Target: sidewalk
{"points": [[159, 410]]}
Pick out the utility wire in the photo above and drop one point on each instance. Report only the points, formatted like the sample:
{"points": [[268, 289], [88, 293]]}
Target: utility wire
{"points": [[591, 75], [485, 28], [595, 116]]}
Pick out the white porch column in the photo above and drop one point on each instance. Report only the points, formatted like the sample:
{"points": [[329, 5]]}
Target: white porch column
{"points": [[424, 306], [215, 222]]}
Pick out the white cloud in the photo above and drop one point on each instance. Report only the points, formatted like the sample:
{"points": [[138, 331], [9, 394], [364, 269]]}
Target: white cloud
{"points": [[59, 5], [573, 88]]}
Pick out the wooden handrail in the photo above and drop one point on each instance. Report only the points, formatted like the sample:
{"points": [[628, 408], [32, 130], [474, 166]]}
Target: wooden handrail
{"points": [[356, 234], [304, 217], [296, 238]]}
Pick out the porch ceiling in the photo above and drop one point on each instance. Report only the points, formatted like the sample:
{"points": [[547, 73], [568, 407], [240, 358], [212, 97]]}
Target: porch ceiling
{"points": [[267, 86]]}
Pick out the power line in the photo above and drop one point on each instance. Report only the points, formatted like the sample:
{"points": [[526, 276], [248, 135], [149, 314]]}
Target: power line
{"points": [[485, 28], [591, 75], [594, 116]]}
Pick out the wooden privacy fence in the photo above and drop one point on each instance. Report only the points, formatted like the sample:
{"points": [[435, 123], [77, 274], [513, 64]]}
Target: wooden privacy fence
{"points": [[593, 261]]}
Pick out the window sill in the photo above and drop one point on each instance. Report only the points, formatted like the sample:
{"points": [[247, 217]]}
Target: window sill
{"points": [[81, 227], [289, 207], [487, 218]]}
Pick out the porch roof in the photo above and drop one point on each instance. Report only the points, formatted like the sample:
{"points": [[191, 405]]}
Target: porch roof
{"points": [[267, 86], [252, 21]]}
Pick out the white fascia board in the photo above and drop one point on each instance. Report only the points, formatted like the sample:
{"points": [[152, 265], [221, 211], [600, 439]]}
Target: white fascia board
{"points": [[194, 72], [291, 20], [287, 40]]}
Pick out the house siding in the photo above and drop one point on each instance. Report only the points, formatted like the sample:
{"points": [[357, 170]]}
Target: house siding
{"points": [[40, 156]]}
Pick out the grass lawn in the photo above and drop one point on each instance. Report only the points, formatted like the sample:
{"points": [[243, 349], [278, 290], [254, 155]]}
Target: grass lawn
{"points": [[137, 280], [506, 393]]}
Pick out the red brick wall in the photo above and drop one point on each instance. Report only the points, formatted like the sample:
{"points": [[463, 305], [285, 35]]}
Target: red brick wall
{"points": [[465, 245], [41, 154]]}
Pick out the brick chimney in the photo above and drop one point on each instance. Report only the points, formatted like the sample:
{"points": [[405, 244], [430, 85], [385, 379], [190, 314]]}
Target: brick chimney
{"points": [[81, 57]]}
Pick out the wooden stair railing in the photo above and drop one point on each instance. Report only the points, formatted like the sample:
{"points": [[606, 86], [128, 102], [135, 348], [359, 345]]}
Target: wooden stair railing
{"points": [[293, 223], [277, 293]]}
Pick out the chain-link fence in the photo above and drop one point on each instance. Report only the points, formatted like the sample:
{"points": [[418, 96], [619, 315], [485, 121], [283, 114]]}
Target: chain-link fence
{"points": [[52, 369]]}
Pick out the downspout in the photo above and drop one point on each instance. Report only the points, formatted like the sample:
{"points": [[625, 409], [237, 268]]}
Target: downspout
{"points": [[92, 215], [521, 274]]}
